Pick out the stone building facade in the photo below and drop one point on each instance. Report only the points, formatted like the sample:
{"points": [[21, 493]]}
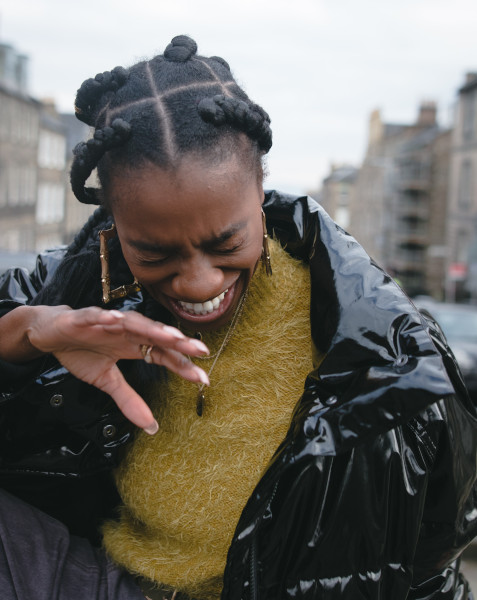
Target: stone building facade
{"points": [[462, 216], [75, 213], [337, 193], [19, 134], [37, 207], [398, 211]]}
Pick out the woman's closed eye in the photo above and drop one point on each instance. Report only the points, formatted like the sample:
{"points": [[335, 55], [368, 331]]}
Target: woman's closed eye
{"points": [[146, 261], [228, 246], [228, 249]]}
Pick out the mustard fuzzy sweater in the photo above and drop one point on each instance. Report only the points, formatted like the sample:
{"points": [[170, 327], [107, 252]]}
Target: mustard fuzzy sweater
{"points": [[184, 489]]}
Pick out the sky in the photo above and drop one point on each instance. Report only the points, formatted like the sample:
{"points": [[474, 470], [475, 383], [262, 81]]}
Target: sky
{"points": [[318, 67]]}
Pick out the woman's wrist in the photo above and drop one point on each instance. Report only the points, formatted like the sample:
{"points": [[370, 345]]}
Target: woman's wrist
{"points": [[16, 329]]}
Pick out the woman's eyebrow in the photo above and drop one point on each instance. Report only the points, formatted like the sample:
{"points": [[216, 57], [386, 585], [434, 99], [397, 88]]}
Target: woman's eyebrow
{"points": [[224, 236], [154, 247], [216, 240]]}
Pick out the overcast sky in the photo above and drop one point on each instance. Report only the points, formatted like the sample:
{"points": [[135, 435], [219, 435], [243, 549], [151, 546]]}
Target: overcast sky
{"points": [[319, 67]]}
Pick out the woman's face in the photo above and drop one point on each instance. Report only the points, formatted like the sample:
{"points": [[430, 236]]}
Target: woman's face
{"points": [[192, 237]]}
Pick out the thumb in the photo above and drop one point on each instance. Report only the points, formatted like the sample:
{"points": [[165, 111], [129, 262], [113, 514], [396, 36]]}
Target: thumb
{"points": [[127, 399]]}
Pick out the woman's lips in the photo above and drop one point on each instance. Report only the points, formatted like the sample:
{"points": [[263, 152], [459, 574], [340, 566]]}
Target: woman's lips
{"points": [[203, 312]]}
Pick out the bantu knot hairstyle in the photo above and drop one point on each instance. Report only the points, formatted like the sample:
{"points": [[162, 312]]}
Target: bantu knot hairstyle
{"points": [[87, 154], [93, 89], [180, 49], [160, 110], [249, 118]]}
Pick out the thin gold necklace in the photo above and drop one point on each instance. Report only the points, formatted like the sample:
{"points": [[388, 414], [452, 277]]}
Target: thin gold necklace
{"points": [[236, 316]]}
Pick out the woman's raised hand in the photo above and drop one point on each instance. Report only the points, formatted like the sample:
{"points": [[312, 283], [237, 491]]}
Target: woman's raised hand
{"points": [[90, 341]]}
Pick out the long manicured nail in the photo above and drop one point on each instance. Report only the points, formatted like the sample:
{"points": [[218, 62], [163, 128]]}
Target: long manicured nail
{"points": [[203, 378], [152, 429], [174, 332], [199, 345]]}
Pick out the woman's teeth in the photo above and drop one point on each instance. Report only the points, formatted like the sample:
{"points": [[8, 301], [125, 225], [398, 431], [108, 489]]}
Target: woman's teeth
{"points": [[203, 308]]}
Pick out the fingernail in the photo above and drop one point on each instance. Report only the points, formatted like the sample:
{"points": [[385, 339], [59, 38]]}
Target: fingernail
{"points": [[152, 429], [202, 375], [199, 345], [173, 331], [117, 314]]}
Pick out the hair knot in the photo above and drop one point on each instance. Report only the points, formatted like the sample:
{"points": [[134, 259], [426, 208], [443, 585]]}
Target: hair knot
{"points": [[210, 111], [181, 49], [92, 89], [87, 154], [122, 129], [222, 61], [249, 118]]}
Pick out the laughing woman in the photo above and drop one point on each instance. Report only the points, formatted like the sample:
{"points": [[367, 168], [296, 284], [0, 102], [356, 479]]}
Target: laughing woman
{"points": [[193, 409]]}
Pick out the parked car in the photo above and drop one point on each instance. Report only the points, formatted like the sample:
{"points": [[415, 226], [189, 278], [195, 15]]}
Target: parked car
{"points": [[459, 324]]}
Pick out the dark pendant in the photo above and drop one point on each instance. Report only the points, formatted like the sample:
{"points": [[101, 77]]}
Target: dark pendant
{"points": [[200, 404]]}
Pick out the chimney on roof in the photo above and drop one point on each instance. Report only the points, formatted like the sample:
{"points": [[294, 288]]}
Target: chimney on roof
{"points": [[470, 77], [427, 113], [13, 68], [375, 127], [49, 106]]}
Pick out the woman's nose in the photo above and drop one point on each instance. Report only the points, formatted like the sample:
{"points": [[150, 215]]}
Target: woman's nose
{"points": [[197, 281]]}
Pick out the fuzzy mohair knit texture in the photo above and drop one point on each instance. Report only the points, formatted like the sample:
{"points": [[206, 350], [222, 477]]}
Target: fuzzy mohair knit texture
{"points": [[184, 489]]}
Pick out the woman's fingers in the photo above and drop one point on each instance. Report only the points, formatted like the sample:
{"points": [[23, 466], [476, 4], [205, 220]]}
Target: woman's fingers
{"points": [[141, 330], [133, 407], [86, 325], [179, 364]]}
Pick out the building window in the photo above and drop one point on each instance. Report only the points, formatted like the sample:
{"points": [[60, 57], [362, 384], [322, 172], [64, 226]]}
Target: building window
{"points": [[19, 189], [44, 242], [466, 185], [50, 207], [468, 115], [462, 243], [412, 170], [11, 240], [412, 224], [411, 252], [4, 117], [13, 185], [3, 186], [18, 121], [342, 216], [51, 150]]}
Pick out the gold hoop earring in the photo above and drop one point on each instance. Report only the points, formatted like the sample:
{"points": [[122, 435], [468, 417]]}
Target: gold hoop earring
{"points": [[123, 290], [265, 258]]}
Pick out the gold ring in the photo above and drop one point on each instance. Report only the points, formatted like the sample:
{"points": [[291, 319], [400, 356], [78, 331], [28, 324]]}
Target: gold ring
{"points": [[146, 352]]}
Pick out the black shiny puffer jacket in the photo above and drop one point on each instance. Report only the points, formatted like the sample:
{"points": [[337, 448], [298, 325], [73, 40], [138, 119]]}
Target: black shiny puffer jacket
{"points": [[371, 495]]}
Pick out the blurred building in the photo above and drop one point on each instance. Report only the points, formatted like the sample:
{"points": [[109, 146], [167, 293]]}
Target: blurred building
{"points": [[37, 209], [337, 193], [51, 162], [398, 209], [19, 135], [462, 220], [76, 213]]}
